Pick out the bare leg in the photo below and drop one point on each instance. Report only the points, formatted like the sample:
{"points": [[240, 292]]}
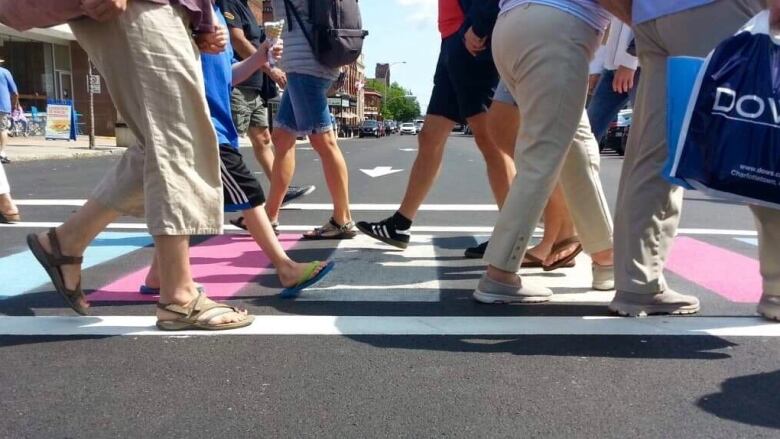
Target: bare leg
{"points": [[288, 271], [336, 175], [7, 205], [500, 165], [263, 148], [427, 165], [3, 140], [283, 170]]}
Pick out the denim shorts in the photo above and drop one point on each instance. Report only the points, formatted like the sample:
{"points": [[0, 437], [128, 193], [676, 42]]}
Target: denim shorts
{"points": [[503, 95], [304, 108]]}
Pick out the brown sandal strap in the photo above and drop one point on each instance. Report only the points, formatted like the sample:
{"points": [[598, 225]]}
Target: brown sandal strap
{"points": [[561, 245], [56, 258], [192, 311]]}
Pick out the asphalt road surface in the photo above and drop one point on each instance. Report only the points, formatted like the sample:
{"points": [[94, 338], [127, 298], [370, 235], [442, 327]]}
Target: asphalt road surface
{"points": [[391, 343]]}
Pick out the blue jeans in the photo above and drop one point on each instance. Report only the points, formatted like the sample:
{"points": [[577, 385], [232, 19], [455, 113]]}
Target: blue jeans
{"points": [[304, 107], [605, 104]]}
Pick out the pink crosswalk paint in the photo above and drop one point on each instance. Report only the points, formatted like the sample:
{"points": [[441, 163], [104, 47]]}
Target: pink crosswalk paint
{"points": [[731, 275], [224, 265]]}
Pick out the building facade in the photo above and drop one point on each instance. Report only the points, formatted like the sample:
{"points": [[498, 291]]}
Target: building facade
{"points": [[49, 64]]}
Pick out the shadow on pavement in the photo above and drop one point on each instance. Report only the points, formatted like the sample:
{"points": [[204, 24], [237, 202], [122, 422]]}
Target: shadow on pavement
{"points": [[750, 399]]}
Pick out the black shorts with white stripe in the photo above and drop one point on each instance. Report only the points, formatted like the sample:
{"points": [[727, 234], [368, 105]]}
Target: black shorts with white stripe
{"points": [[242, 190]]}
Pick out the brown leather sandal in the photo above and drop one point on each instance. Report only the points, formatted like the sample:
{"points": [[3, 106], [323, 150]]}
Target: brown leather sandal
{"points": [[568, 260], [52, 263], [193, 316]]}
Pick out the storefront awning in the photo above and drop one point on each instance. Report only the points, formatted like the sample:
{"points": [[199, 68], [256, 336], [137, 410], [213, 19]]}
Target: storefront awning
{"points": [[55, 35], [347, 115]]}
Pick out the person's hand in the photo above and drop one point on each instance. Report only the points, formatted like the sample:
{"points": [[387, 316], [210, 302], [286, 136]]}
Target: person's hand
{"points": [[214, 42], [276, 51], [103, 10], [278, 76], [474, 44], [624, 80]]}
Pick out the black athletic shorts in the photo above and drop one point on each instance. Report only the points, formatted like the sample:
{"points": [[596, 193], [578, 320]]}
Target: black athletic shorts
{"points": [[463, 85], [242, 190]]}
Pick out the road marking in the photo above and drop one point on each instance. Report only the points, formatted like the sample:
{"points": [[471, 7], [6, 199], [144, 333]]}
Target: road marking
{"points": [[731, 275], [391, 207], [380, 171], [418, 229], [751, 241], [381, 325], [224, 265], [21, 272]]}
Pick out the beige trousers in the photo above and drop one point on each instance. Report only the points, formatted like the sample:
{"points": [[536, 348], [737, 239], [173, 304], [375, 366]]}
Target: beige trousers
{"points": [[543, 54], [152, 71], [648, 208]]}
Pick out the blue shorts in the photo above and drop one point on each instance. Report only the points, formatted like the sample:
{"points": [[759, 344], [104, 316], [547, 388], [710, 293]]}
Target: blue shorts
{"points": [[503, 94], [304, 108]]}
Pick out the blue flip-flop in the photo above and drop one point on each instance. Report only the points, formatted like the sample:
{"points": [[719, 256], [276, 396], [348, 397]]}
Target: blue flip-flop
{"points": [[307, 280], [148, 291]]}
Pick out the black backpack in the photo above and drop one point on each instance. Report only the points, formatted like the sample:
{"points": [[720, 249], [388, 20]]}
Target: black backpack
{"points": [[336, 36]]}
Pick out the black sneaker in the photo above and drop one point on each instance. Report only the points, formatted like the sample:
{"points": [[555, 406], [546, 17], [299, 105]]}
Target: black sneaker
{"points": [[295, 192], [5, 160], [386, 232], [477, 252]]}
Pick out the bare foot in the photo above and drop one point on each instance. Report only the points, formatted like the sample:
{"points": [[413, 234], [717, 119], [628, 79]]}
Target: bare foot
{"points": [[291, 274], [7, 205], [562, 253], [538, 252], [216, 316], [71, 273]]}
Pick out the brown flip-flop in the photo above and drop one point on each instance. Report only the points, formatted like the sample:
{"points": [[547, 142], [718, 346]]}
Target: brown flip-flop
{"points": [[531, 261], [568, 261], [52, 263]]}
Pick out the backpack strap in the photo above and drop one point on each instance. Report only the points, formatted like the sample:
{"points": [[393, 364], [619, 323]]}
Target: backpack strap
{"points": [[288, 6]]}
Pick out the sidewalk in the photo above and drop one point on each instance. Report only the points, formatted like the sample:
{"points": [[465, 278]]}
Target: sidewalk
{"points": [[22, 149]]}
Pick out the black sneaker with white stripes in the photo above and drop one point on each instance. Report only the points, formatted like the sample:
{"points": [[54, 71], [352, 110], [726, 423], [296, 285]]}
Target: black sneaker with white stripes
{"points": [[295, 192], [386, 232]]}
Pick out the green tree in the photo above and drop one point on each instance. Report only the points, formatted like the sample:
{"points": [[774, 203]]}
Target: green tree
{"points": [[397, 104]]}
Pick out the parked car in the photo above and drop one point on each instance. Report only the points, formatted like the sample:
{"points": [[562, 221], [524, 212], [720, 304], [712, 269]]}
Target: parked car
{"points": [[617, 133], [370, 128], [458, 128], [408, 129]]}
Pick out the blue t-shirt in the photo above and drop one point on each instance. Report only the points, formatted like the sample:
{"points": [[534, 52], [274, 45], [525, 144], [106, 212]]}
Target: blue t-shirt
{"points": [[646, 10], [218, 75], [7, 88]]}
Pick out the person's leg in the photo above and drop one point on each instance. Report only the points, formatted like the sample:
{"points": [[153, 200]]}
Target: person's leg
{"points": [[648, 207], [284, 137], [176, 163], [427, 165], [547, 75], [768, 226], [3, 133], [7, 205], [263, 147], [500, 167], [334, 167]]}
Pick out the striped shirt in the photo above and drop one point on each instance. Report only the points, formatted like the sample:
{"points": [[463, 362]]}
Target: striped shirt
{"points": [[586, 10], [646, 10]]}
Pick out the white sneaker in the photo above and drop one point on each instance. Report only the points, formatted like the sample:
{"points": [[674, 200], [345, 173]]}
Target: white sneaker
{"points": [[490, 291], [603, 277]]}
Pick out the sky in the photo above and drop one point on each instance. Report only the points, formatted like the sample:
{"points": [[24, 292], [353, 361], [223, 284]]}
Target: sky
{"points": [[403, 30]]}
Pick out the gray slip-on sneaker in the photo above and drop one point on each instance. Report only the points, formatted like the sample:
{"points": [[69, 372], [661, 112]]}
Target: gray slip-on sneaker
{"points": [[667, 302], [603, 277], [769, 307], [490, 291]]}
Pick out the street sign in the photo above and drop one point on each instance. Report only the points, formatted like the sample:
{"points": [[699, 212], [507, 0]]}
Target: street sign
{"points": [[94, 85]]}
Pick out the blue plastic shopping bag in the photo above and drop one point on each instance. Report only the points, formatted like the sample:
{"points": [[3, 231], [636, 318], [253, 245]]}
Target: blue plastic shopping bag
{"points": [[729, 145], [681, 74]]}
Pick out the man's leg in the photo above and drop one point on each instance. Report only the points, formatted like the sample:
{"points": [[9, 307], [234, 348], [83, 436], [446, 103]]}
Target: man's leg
{"points": [[3, 137], [149, 34], [648, 207], [263, 148], [768, 225], [283, 171]]}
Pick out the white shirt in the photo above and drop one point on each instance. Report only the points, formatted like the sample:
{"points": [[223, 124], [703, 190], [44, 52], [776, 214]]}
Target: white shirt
{"points": [[616, 54]]}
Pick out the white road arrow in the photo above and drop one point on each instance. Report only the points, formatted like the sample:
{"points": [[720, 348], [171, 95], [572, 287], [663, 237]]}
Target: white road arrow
{"points": [[380, 171]]}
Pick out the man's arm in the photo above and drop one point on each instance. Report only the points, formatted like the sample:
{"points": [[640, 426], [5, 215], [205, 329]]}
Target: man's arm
{"points": [[13, 90], [483, 15], [23, 15], [242, 70], [619, 8]]}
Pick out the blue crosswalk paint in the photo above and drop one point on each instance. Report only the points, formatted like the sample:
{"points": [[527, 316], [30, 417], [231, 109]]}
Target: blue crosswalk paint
{"points": [[751, 241], [21, 272]]}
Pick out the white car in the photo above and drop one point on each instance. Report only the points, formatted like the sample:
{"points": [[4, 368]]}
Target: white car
{"points": [[408, 128]]}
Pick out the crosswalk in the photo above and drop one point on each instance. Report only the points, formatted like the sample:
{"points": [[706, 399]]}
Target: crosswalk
{"points": [[431, 270]]}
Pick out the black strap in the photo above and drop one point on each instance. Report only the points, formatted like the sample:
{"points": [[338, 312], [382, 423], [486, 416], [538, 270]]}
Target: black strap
{"points": [[288, 6]]}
